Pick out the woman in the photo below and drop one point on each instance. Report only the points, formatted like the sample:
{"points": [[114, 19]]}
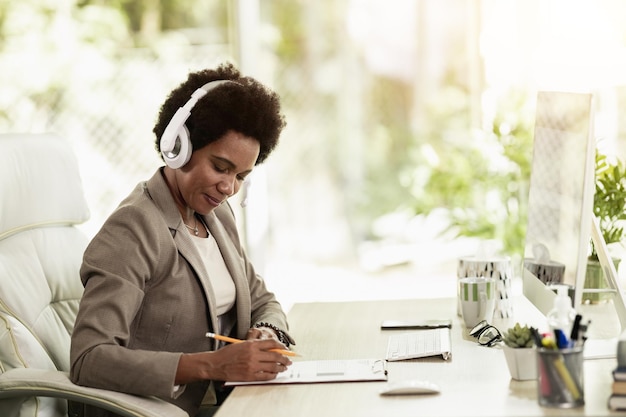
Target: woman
{"points": [[168, 266]]}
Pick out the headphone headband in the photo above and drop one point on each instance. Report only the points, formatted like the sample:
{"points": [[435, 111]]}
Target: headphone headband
{"points": [[175, 143]]}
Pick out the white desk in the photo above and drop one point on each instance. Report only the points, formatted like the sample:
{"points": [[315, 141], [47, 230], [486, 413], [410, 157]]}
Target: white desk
{"points": [[475, 382]]}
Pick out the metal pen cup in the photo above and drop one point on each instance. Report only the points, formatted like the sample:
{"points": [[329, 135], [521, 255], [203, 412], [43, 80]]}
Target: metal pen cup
{"points": [[560, 377]]}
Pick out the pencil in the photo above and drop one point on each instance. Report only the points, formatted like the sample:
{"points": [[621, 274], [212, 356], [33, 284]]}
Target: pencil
{"points": [[233, 340]]}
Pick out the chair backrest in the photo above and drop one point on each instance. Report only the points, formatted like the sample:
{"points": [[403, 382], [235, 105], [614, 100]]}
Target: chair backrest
{"points": [[41, 202]]}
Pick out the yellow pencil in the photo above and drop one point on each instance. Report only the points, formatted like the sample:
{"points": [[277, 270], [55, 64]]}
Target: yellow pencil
{"points": [[233, 340]]}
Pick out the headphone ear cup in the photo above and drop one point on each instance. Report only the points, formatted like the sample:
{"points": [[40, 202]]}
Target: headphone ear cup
{"points": [[182, 151], [175, 143]]}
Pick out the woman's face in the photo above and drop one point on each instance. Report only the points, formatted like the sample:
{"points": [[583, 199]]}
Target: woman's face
{"points": [[215, 172]]}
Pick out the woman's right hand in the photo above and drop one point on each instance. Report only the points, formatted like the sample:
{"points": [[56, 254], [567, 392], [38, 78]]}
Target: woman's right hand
{"points": [[250, 360]]}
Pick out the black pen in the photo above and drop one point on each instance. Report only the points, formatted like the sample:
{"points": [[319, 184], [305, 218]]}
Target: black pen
{"points": [[582, 333], [575, 330]]}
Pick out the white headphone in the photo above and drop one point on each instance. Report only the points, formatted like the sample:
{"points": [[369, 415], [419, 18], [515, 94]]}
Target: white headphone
{"points": [[175, 144]]}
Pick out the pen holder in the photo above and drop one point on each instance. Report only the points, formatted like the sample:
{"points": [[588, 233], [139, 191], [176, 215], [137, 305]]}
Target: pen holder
{"points": [[560, 377]]}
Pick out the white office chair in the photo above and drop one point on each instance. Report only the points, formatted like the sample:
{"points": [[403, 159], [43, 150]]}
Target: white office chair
{"points": [[41, 202]]}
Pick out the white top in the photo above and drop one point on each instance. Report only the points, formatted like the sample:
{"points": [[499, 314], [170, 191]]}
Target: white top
{"points": [[222, 282]]}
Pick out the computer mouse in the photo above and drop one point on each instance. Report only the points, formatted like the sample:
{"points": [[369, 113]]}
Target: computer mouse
{"points": [[410, 387]]}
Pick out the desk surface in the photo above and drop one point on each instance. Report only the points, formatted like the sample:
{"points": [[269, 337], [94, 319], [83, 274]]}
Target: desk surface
{"points": [[475, 382]]}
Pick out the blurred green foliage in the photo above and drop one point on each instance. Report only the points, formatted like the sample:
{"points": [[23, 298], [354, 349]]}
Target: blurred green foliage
{"points": [[609, 202], [480, 176], [413, 152], [483, 178]]}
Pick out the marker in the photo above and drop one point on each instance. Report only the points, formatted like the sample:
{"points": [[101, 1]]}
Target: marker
{"points": [[582, 332], [233, 340], [547, 341], [575, 329], [561, 339]]}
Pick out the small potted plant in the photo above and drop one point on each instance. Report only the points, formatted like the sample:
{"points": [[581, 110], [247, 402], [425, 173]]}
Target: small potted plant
{"points": [[519, 352], [609, 206]]}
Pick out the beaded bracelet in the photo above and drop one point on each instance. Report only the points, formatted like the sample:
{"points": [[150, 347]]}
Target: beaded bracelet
{"points": [[282, 336]]}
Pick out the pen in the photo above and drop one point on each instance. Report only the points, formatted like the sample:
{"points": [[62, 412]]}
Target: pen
{"points": [[233, 340], [582, 332], [575, 329], [548, 342], [570, 384], [561, 339]]}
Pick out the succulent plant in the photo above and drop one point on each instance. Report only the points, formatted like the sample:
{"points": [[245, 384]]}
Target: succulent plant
{"points": [[518, 337]]}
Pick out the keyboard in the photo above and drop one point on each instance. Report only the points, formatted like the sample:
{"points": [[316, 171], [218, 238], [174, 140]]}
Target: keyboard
{"points": [[419, 344]]}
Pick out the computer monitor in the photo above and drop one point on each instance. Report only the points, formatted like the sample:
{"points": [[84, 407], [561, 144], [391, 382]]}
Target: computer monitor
{"points": [[560, 205], [560, 200]]}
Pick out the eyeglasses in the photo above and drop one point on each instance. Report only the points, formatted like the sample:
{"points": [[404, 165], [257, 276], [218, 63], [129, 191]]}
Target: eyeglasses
{"points": [[486, 334]]}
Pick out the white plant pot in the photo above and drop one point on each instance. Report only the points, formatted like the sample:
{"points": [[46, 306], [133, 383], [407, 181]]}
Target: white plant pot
{"points": [[522, 362]]}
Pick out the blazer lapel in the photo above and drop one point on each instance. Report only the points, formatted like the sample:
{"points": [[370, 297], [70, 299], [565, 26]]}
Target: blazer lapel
{"points": [[160, 194]]}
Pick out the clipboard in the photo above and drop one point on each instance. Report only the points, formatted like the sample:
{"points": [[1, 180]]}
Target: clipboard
{"points": [[334, 370]]}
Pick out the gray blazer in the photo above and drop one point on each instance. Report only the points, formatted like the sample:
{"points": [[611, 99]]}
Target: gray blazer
{"points": [[148, 298]]}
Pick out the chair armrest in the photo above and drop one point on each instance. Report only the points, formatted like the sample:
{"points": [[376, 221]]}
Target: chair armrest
{"points": [[32, 382]]}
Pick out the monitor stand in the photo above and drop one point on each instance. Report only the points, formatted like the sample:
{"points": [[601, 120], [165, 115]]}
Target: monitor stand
{"points": [[605, 348], [600, 348], [536, 291]]}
